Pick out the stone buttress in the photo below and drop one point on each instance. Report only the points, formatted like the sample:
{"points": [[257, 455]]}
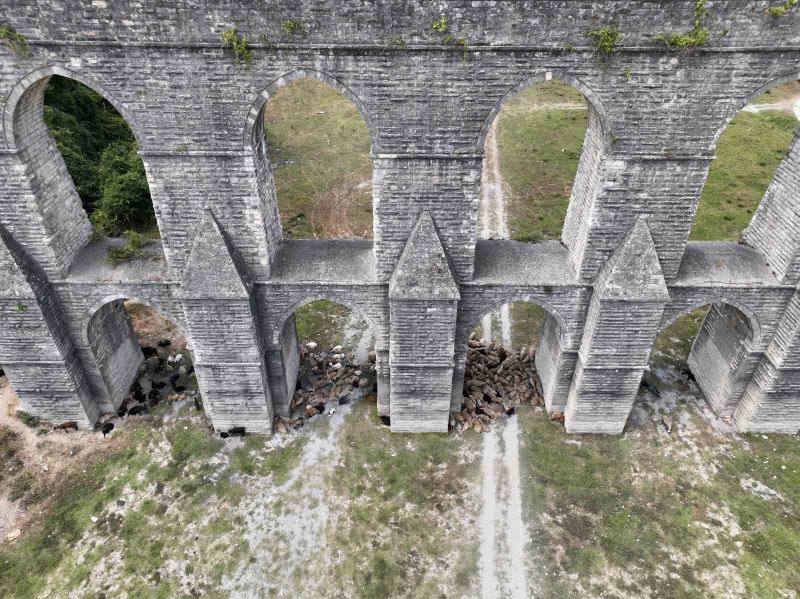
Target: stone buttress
{"points": [[423, 301], [220, 312], [35, 348], [621, 327], [770, 400]]}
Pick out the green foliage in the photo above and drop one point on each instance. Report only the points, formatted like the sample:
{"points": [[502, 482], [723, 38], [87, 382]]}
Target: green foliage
{"points": [[606, 39], [292, 26], [129, 251], [779, 11], [448, 39], [697, 36], [29, 420], [21, 308], [232, 40], [628, 75], [101, 156], [16, 42]]}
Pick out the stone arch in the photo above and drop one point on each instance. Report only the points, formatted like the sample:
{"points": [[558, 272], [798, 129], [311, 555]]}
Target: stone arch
{"points": [[793, 74], [18, 95], [596, 108], [160, 308], [564, 331], [253, 123], [49, 192], [287, 313], [754, 337]]}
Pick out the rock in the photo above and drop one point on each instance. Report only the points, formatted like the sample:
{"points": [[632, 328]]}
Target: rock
{"points": [[372, 357], [311, 346], [337, 349], [281, 428], [311, 411], [557, 417], [14, 534], [182, 371], [363, 383]]}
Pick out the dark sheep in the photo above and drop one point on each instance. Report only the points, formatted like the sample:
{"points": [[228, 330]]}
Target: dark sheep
{"points": [[153, 394], [159, 384], [137, 410], [385, 421], [651, 388], [198, 404], [174, 379], [149, 352], [70, 425], [236, 431], [107, 428]]}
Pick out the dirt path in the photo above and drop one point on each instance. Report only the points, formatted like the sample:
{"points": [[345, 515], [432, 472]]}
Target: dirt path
{"points": [[788, 105], [503, 545]]}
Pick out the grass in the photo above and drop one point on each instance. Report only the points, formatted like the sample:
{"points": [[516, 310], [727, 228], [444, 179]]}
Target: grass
{"points": [[539, 150], [749, 152], [633, 510], [400, 487], [675, 342], [319, 147]]}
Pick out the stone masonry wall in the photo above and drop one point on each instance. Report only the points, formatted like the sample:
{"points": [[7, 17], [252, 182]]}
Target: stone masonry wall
{"points": [[655, 118]]}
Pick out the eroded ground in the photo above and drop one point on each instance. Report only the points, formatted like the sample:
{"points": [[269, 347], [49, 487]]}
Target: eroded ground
{"points": [[343, 508]]}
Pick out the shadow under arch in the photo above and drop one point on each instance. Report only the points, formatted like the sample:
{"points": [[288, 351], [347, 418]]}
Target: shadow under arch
{"points": [[253, 124], [593, 100], [41, 76], [791, 75], [277, 329]]}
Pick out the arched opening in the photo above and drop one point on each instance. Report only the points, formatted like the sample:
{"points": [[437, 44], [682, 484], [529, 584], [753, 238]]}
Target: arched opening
{"points": [[85, 172], [531, 157], [748, 155], [329, 353], [142, 358], [703, 354], [511, 359], [318, 145]]}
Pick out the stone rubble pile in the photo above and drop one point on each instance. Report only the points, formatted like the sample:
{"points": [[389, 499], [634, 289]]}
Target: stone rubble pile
{"points": [[326, 379], [496, 381]]}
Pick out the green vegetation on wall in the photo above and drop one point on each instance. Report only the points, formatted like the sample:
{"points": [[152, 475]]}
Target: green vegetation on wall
{"points": [[232, 40], [605, 40], [100, 152], [779, 11], [697, 36], [16, 42]]}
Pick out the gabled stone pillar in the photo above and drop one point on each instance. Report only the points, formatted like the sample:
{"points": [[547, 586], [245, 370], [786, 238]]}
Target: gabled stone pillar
{"points": [[423, 300], [36, 351], [771, 402], [621, 327], [219, 307]]}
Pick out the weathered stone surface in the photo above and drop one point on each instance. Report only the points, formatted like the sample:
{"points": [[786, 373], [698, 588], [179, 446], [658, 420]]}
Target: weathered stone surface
{"points": [[197, 117]]}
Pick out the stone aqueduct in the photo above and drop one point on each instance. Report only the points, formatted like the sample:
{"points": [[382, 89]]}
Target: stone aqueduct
{"points": [[623, 271]]}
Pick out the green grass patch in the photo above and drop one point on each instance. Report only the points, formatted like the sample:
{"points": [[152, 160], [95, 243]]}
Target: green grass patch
{"points": [[399, 487], [748, 153], [632, 503], [539, 148], [319, 147], [26, 565]]}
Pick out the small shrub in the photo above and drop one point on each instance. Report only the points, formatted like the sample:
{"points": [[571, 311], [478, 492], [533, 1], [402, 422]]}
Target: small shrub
{"points": [[129, 251], [29, 420], [628, 75], [697, 36], [21, 308], [13, 40], [779, 11], [606, 39], [440, 25], [232, 40], [292, 26]]}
